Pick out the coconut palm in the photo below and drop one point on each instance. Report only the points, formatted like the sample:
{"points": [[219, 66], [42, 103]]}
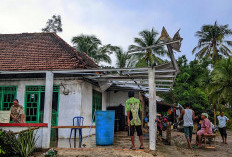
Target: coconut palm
{"points": [[220, 88], [212, 43], [123, 58], [93, 47], [102, 54], [151, 55]]}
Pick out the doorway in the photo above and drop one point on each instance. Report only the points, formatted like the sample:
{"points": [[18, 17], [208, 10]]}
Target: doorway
{"points": [[34, 105]]}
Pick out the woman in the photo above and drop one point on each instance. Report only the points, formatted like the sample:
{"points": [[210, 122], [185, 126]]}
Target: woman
{"points": [[17, 112], [206, 128]]}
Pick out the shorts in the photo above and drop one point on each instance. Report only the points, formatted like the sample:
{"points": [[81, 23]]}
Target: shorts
{"points": [[138, 129], [188, 131], [223, 132]]}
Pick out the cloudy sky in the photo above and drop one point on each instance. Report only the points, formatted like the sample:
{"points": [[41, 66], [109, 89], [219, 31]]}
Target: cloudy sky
{"points": [[116, 21]]}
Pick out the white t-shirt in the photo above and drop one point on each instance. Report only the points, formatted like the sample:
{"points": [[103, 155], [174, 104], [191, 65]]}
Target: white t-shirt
{"points": [[222, 121]]}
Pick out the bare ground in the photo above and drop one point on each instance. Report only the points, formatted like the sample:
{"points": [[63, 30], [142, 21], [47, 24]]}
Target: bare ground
{"points": [[179, 147], [122, 143]]}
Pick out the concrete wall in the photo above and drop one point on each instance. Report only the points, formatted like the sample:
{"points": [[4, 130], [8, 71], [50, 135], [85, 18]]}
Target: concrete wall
{"points": [[69, 105], [38, 133], [120, 97], [77, 103]]}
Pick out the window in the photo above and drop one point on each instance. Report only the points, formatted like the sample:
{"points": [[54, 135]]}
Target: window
{"points": [[7, 94], [97, 101], [34, 104]]}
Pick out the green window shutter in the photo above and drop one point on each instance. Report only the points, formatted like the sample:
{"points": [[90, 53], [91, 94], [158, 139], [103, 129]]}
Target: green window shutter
{"points": [[96, 101], [7, 94], [33, 108]]}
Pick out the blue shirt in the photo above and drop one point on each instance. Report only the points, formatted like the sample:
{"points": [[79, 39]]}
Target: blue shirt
{"points": [[222, 121]]}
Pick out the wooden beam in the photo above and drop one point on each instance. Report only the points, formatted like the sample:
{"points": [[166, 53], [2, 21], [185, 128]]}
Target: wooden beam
{"points": [[33, 128], [74, 127]]}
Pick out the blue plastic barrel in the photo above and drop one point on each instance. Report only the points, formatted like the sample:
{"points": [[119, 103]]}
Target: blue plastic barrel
{"points": [[104, 121]]}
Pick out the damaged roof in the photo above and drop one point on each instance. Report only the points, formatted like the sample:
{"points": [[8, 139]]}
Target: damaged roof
{"points": [[40, 51]]}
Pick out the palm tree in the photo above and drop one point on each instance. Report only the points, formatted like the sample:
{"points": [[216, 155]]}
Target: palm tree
{"points": [[102, 54], [93, 47], [123, 58], [220, 88], [212, 43], [151, 55]]}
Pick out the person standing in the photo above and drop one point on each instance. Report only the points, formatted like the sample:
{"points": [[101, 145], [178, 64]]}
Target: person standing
{"points": [[133, 109], [222, 126], [188, 115], [17, 112]]}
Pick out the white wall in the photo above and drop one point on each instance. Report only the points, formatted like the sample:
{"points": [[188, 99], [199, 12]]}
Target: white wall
{"points": [[38, 133], [77, 103], [69, 105], [21, 87], [86, 107], [120, 97]]}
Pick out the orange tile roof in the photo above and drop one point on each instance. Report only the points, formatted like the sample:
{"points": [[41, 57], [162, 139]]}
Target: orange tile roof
{"points": [[40, 51]]}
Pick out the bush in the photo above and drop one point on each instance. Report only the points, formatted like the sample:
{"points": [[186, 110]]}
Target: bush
{"points": [[50, 153], [22, 144], [26, 143], [228, 113], [8, 143]]}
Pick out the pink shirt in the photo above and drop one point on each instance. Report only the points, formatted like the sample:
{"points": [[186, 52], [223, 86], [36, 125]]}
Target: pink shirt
{"points": [[206, 123]]}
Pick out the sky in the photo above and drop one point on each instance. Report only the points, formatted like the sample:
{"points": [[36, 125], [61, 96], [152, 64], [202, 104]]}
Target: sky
{"points": [[116, 22]]}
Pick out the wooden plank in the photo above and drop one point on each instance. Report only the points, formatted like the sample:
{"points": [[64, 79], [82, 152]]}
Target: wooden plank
{"points": [[26, 130], [74, 127], [141, 150], [210, 147], [23, 125]]}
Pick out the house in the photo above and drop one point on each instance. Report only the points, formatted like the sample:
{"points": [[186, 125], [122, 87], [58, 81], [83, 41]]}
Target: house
{"points": [[38, 52], [54, 81]]}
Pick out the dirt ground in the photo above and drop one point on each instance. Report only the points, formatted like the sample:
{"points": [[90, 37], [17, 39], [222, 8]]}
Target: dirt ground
{"points": [[178, 148]]}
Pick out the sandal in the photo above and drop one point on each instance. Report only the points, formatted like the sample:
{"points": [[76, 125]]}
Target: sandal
{"points": [[132, 148], [141, 147]]}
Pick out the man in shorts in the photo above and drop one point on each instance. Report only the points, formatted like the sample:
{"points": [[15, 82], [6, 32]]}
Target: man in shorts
{"points": [[222, 126], [133, 109], [188, 115]]}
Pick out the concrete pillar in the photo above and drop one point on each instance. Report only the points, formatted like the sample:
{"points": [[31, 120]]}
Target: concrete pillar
{"points": [[152, 109], [47, 109], [143, 107]]}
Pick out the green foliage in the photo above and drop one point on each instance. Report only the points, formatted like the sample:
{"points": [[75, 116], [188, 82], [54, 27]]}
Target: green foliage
{"points": [[50, 153], [26, 143], [123, 58], [220, 88], [212, 43], [93, 47], [190, 85], [22, 144], [8, 143], [53, 25], [151, 56]]}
